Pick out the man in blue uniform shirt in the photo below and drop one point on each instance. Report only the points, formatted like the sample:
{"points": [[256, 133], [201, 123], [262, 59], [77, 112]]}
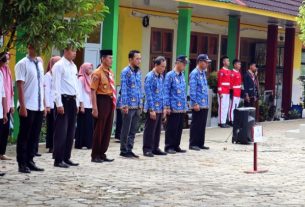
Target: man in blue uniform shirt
{"points": [[175, 105], [131, 100], [154, 101], [199, 95]]}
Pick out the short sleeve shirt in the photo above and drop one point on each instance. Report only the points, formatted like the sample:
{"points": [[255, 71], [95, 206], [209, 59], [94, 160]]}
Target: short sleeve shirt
{"points": [[100, 81], [27, 72]]}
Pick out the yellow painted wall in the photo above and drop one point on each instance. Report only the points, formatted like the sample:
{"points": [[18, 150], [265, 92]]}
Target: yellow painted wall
{"points": [[130, 37], [297, 54]]}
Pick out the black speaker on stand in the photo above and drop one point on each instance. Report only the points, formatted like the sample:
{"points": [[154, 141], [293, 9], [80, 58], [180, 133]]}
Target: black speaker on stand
{"points": [[244, 120]]}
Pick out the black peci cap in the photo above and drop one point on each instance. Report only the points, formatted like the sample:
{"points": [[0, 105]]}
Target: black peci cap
{"points": [[105, 52]]}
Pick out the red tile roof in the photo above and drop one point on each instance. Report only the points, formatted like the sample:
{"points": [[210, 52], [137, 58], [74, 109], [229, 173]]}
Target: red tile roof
{"points": [[290, 7]]}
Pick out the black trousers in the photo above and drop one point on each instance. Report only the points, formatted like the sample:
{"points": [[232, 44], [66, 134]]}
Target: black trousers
{"points": [[4, 132], [28, 137], [84, 130], [152, 131], [173, 130], [64, 131], [118, 123], [197, 129], [50, 119]]}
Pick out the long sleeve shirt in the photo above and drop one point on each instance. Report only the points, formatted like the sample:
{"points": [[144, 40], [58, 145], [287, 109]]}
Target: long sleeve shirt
{"points": [[199, 91], [85, 96], [154, 97], [131, 88], [224, 81], [48, 90], [236, 83], [174, 92], [2, 95], [65, 81], [250, 85], [8, 86]]}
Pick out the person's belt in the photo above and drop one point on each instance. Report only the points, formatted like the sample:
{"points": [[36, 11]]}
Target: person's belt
{"points": [[68, 96], [110, 96]]}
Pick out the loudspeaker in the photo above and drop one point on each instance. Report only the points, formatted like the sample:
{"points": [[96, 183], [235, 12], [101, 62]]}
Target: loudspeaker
{"points": [[244, 120]]}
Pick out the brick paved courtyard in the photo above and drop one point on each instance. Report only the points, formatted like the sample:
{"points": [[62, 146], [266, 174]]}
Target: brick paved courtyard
{"points": [[206, 178]]}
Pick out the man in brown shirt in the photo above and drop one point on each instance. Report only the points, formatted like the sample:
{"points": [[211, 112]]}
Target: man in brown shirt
{"points": [[103, 105]]}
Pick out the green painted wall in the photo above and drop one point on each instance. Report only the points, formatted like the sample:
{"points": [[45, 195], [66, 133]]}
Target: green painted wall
{"points": [[184, 33], [110, 31], [233, 37]]}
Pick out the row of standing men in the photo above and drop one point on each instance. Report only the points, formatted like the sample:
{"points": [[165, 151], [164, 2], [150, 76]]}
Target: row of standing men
{"points": [[61, 95]]}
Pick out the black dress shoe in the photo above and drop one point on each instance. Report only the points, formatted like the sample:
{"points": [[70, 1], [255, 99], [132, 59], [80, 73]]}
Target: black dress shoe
{"points": [[170, 151], [24, 169], [69, 162], [97, 160], [125, 154], [2, 174], [224, 126], [134, 155], [50, 150], [148, 154], [38, 155], [33, 167], [108, 160], [179, 150], [204, 147], [61, 165], [159, 152], [196, 148]]}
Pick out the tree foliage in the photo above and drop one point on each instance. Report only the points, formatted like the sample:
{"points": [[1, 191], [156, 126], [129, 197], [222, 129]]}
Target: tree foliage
{"points": [[301, 21], [49, 23]]}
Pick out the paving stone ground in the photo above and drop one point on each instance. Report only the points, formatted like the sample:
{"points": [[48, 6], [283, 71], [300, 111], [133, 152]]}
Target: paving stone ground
{"points": [[206, 178]]}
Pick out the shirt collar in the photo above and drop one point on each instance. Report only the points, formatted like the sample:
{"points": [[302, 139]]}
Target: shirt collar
{"points": [[134, 69], [235, 70], [177, 73], [31, 59], [200, 71], [156, 74], [66, 61]]}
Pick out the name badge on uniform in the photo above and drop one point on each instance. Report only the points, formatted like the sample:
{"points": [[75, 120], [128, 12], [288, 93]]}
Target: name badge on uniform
{"points": [[203, 100], [133, 99], [157, 104], [178, 91], [179, 104], [133, 85], [157, 91]]}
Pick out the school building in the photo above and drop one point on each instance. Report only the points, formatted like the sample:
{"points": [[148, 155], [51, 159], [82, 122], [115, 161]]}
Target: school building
{"points": [[252, 30]]}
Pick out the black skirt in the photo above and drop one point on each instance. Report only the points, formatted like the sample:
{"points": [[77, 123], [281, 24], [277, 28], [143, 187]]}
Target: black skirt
{"points": [[84, 130]]}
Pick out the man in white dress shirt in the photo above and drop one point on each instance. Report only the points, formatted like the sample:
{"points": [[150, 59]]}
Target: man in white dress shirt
{"points": [[66, 92], [29, 77]]}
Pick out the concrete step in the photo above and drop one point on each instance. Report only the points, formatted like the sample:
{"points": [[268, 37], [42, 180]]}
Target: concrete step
{"points": [[302, 129], [294, 133]]}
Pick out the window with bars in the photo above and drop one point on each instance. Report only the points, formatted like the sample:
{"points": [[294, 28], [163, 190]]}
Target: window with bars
{"points": [[161, 44]]}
